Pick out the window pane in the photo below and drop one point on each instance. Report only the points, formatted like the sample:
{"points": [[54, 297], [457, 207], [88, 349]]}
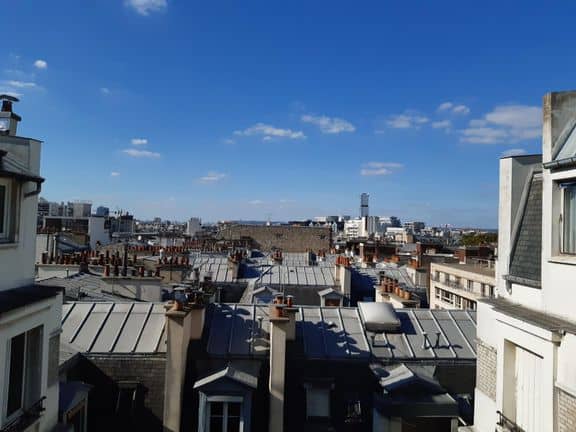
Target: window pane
{"points": [[2, 207], [234, 409], [216, 424], [570, 219], [216, 408], [33, 372], [16, 380], [233, 424]]}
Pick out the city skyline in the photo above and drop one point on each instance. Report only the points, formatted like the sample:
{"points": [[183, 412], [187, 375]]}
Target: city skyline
{"points": [[282, 112]]}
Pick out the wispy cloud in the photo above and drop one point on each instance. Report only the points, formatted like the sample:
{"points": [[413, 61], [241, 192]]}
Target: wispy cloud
{"points": [[139, 141], [268, 132], [229, 141], [329, 125], [505, 124], [114, 174], [451, 107], [442, 124], [146, 7], [513, 152], [256, 202], [141, 154], [212, 177], [407, 120], [105, 90], [40, 64], [20, 84], [380, 168]]}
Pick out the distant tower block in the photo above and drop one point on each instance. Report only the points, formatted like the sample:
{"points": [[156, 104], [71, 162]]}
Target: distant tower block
{"points": [[364, 205]]}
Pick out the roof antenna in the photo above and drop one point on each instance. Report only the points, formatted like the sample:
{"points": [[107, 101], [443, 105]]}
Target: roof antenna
{"points": [[426, 342]]}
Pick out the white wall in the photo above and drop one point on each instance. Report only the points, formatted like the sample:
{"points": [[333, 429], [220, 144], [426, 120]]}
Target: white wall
{"points": [[97, 232], [17, 259], [141, 288]]}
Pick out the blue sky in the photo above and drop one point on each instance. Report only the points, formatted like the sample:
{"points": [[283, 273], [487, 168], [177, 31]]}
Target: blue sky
{"points": [[257, 109]]}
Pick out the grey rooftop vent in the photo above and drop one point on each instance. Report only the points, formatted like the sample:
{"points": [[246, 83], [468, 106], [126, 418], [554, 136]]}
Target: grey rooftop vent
{"points": [[379, 317]]}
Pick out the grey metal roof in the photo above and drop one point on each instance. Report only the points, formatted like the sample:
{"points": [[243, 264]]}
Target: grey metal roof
{"points": [[114, 327], [300, 259], [450, 335], [339, 334], [297, 275], [216, 265], [526, 259], [81, 286]]}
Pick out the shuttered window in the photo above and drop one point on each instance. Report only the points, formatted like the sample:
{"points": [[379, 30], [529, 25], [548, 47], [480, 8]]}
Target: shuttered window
{"points": [[528, 377]]}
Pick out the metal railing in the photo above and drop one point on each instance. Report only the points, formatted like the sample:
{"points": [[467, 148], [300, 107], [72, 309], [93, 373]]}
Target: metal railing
{"points": [[506, 424], [26, 417]]}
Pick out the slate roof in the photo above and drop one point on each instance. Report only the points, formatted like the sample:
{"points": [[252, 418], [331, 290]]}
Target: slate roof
{"points": [[525, 261], [339, 334], [114, 327]]}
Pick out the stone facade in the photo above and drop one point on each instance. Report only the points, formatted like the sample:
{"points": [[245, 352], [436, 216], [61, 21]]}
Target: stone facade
{"points": [[486, 369], [285, 237], [566, 411]]}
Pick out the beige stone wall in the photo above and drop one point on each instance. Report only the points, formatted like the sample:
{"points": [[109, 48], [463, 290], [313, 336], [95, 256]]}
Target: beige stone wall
{"points": [[566, 411], [486, 369], [284, 237]]}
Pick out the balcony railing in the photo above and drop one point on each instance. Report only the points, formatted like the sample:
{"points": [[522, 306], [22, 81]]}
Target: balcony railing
{"points": [[506, 424], [26, 418]]}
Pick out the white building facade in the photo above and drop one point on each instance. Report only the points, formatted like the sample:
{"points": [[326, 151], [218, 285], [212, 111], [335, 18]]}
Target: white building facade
{"points": [[527, 336], [460, 286], [29, 315]]}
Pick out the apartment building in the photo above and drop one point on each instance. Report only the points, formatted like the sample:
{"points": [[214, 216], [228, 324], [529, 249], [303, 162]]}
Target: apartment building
{"points": [[460, 286], [526, 345], [29, 314]]}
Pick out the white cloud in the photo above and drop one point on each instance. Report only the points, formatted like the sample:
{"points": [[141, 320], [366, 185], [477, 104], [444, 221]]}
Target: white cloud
{"points": [[408, 120], [139, 141], [114, 174], [461, 109], [513, 152], [228, 141], [40, 64], [379, 168], [212, 177], [451, 107], [443, 124], [145, 7], [20, 84], [141, 153], [256, 202], [329, 125], [445, 106], [270, 132], [104, 90], [505, 124]]}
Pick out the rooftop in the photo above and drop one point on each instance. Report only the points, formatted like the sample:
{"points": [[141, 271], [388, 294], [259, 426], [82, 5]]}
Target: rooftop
{"points": [[470, 268]]}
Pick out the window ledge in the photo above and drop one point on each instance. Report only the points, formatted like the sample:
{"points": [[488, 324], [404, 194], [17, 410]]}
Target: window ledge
{"points": [[563, 259]]}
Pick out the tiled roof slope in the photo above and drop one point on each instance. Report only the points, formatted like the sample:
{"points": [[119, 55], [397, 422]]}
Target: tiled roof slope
{"points": [[526, 262]]}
